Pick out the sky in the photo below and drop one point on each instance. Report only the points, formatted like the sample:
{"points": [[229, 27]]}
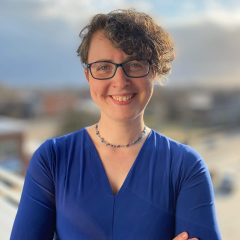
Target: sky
{"points": [[39, 39]]}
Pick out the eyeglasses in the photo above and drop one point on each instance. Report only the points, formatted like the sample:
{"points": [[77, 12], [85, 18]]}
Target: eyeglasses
{"points": [[103, 70]]}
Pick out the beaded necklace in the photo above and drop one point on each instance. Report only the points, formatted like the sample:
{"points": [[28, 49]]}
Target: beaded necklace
{"points": [[117, 146]]}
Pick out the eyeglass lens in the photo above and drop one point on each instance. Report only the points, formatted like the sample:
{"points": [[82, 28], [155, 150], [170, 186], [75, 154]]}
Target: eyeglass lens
{"points": [[134, 68]]}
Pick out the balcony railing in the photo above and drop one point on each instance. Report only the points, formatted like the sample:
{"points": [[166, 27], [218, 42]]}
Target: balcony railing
{"points": [[10, 192]]}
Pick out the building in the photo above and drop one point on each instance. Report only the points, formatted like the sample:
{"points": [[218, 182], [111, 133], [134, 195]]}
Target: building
{"points": [[11, 144]]}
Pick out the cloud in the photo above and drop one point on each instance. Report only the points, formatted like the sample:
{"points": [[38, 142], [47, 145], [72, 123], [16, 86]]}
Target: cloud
{"points": [[207, 54], [39, 38], [77, 12], [223, 13]]}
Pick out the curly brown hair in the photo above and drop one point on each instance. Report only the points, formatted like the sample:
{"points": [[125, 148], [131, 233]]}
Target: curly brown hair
{"points": [[135, 34]]}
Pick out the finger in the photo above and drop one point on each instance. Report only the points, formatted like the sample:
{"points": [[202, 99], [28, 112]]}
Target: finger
{"points": [[181, 236]]}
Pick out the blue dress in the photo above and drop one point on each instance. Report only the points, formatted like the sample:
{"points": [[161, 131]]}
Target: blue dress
{"points": [[167, 191]]}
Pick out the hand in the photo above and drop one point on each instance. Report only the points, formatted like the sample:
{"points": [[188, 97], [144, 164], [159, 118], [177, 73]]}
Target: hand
{"points": [[184, 236]]}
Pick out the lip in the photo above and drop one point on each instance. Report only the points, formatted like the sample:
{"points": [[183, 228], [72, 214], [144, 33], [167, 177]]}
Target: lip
{"points": [[124, 94], [122, 103]]}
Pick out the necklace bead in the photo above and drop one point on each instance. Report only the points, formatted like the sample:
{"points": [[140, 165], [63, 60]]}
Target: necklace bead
{"points": [[117, 146]]}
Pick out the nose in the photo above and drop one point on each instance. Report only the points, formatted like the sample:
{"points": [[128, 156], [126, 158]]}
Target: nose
{"points": [[120, 79]]}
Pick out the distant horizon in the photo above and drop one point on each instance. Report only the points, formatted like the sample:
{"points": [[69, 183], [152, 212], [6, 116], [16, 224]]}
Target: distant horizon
{"points": [[86, 87]]}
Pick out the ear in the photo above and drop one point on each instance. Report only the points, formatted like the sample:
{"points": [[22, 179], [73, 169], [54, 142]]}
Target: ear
{"points": [[153, 74], [86, 74]]}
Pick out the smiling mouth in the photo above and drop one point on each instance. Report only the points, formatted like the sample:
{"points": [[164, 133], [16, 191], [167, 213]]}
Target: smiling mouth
{"points": [[123, 98]]}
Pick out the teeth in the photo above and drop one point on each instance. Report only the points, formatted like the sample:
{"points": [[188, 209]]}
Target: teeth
{"points": [[122, 99]]}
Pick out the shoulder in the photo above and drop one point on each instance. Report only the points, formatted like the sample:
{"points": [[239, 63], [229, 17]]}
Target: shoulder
{"points": [[163, 142], [185, 165], [60, 142], [66, 140], [181, 157], [168, 145], [55, 148]]}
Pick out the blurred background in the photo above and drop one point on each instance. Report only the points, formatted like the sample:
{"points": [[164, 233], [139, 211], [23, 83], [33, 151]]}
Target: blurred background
{"points": [[43, 92]]}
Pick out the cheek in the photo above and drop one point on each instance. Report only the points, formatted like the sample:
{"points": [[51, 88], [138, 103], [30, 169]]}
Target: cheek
{"points": [[98, 90], [148, 90], [148, 86]]}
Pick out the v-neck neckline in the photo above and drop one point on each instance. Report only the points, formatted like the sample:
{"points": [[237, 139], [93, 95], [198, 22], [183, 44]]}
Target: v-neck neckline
{"points": [[100, 164]]}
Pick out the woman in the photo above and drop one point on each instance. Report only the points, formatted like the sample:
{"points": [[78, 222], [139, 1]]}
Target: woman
{"points": [[118, 179]]}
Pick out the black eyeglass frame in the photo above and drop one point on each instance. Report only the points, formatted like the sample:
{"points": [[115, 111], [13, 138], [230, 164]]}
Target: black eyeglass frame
{"points": [[119, 65]]}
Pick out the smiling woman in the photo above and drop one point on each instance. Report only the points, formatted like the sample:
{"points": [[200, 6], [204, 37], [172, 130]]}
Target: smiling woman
{"points": [[118, 179], [111, 84]]}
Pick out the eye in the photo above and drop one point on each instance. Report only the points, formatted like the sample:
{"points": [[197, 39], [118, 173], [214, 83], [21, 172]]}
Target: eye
{"points": [[134, 65], [103, 68]]}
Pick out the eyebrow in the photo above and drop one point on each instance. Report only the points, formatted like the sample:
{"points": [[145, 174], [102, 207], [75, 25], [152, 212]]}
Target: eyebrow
{"points": [[110, 60]]}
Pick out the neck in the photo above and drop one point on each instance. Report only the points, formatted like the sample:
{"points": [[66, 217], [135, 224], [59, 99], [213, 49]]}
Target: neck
{"points": [[120, 133]]}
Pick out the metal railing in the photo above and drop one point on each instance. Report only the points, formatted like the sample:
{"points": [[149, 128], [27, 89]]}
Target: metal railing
{"points": [[10, 192]]}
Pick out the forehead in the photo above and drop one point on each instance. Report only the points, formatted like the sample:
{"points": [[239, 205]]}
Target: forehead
{"points": [[102, 49]]}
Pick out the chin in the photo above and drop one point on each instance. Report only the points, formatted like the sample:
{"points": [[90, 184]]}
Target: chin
{"points": [[125, 117]]}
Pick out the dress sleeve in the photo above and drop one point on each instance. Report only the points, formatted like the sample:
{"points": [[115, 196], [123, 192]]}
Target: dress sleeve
{"points": [[195, 208], [35, 218]]}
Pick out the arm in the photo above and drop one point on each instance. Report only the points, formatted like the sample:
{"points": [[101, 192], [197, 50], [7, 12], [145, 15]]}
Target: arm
{"points": [[195, 209], [35, 218]]}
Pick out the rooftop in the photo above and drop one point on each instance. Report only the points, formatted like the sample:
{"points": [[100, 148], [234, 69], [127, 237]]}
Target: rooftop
{"points": [[11, 125]]}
